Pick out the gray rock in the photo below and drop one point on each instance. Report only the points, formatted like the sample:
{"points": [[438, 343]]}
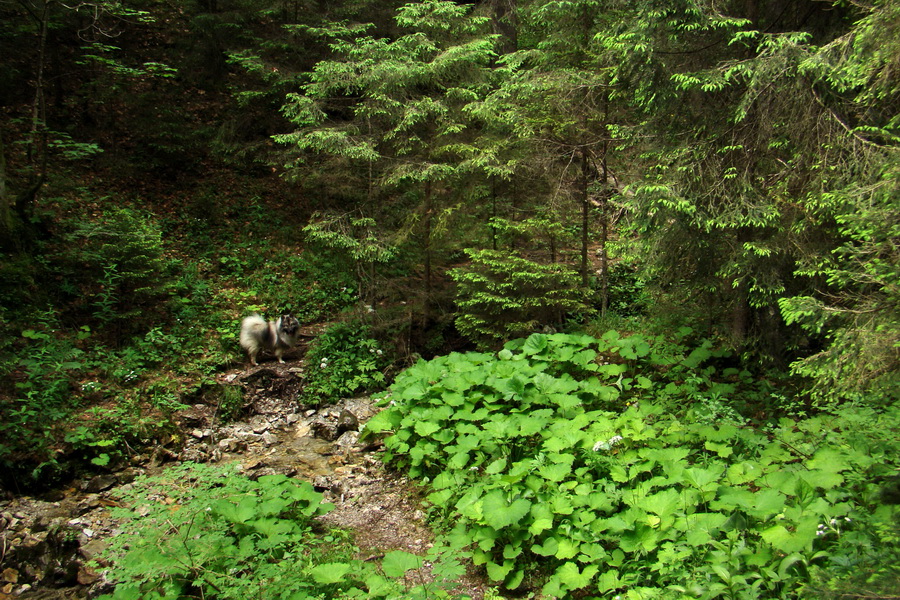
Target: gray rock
{"points": [[347, 421], [326, 430], [347, 440], [232, 445], [100, 483]]}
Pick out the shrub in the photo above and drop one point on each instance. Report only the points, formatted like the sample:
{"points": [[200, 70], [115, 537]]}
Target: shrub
{"points": [[41, 396], [117, 267], [502, 296], [344, 360], [627, 292], [230, 537]]}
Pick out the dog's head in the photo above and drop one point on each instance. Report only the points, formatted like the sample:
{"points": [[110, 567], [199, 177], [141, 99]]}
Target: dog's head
{"points": [[289, 324]]}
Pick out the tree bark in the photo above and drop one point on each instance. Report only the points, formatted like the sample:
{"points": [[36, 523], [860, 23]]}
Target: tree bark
{"points": [[585, 217], [429, 209], [5, 208], [506, 24], [37, 139], [604, 217]]}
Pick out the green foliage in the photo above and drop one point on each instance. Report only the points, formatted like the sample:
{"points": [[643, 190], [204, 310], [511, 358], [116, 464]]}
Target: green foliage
{"points": [[99, 448], [762, 191], [70, 149], [118, 266], [209, 531], [393, 113], [222, 535], [595, 463], [628, 294], [41, 395], [357, 241], [861, 359], [17, 283], [867, 555], [231, 403], [318, 286], [502, 296], [343, 360]]}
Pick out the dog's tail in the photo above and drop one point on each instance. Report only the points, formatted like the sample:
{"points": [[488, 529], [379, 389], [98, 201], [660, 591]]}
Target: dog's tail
{"points": [[254, 330]]}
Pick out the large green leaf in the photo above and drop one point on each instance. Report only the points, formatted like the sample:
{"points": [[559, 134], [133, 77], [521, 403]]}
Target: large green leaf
{"points": [[499, 572], [548, 548], [498, 513], [663, 503], [555, 472], [398, 562], [535, 344], [792, 541], [426, 428], [328, 573], [572, 578]]}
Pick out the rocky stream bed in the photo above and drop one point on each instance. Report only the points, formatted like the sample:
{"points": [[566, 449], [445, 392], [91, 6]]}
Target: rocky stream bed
{"points": [[47, 543]]}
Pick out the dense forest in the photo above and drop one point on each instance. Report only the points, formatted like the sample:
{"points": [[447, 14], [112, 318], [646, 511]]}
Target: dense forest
{"points": [[625, 276]]}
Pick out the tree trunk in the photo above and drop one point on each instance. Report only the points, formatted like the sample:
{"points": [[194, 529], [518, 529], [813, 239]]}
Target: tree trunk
{"points": [[604, 217], [740, 316], [506, 24], [37, 139], [429, 209], [493, 213], [604, 256], [585, 217], [5, 201]]}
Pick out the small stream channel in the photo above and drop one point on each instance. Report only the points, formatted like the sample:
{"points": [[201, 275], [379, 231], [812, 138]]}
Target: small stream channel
{"points": [[47, 542]]}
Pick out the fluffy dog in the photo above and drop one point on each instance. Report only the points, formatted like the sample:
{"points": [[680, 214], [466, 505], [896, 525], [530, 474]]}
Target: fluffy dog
{"points": [[276, 336]]}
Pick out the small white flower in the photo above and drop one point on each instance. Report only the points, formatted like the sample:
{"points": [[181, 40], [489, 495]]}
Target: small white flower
{"points": [[607, 444], [379, 353], [848, 519], [323, 365]]}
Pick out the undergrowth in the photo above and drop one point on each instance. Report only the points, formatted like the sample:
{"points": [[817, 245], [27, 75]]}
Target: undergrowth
{"points": [[210, 532], [622, 467], [105, 333], [344, 360]]}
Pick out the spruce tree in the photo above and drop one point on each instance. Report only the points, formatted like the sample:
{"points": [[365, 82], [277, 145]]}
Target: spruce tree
{"points": [[395, 109]]}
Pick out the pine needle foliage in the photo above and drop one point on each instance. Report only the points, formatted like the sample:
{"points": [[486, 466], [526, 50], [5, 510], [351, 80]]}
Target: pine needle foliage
{"points": [[395, 109], [771, 181], [501, 296]]}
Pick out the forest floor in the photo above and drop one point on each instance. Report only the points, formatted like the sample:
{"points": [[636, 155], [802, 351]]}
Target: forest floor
{"points": [[47, 542]]}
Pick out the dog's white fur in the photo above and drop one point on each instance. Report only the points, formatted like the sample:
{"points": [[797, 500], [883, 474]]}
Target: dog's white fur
{"points": [[278, 336]]}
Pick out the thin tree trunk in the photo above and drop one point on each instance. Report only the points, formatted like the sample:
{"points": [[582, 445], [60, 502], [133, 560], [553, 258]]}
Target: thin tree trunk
{"points": [[493, 213], [585, 218], [505, 18], [5, 212], [37, 141], [429, 209], [604, 218]]}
